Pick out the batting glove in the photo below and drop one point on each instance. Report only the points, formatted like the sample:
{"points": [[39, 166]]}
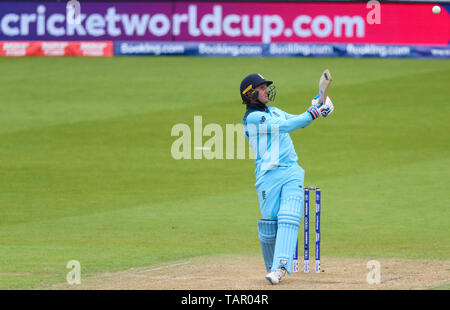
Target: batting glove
{"points": [[316, 101], [315, 113], [323, 110], [327, 108]]}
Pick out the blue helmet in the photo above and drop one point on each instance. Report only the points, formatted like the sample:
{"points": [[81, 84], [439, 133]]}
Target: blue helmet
{"points": [[248, 85]]}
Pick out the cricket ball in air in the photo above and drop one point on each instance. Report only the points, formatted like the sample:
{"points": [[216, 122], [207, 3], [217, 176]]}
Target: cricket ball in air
{"points": [[436, 9]]}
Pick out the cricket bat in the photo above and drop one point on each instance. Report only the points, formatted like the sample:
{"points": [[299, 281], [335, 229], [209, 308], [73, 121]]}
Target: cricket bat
{"points": [[324, 85]]}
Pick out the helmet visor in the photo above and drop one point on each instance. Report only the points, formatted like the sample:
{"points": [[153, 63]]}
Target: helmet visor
{"points": [[272, 91]]}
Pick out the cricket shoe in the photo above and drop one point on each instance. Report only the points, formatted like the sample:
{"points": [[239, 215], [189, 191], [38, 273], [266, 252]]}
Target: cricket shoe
{"points": [[276, 276]]}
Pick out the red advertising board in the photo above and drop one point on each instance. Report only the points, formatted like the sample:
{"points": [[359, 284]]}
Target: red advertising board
{"points": [[57, 48]]}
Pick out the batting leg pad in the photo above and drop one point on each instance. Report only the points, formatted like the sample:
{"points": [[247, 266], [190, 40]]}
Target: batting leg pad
{"points": [[267, 233], [289, 219]]}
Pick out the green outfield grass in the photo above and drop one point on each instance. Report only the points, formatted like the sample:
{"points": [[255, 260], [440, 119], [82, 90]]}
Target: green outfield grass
{"points": [[87, 172]]}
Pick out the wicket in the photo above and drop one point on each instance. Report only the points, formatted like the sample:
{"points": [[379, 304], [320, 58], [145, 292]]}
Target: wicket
{"points": [[306, 233]]}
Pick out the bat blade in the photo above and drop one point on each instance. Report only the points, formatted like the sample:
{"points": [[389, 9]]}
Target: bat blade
{"points": [[324, 85]]}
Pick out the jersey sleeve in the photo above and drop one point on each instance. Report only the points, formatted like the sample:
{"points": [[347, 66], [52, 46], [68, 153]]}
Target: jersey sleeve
{"points": [[288, 116], [263, 123]]}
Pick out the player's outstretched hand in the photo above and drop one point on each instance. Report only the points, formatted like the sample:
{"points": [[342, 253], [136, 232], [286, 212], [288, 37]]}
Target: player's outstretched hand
{"points": [[327, 108], [318, 109], [316, 101]]}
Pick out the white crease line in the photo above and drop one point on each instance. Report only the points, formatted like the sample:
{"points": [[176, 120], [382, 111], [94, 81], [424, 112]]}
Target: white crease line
{"points": [[162, 267]]}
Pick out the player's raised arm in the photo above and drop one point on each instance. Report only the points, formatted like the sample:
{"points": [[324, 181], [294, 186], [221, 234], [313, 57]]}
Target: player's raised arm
{"points": [[316, 108], [265, 124]]}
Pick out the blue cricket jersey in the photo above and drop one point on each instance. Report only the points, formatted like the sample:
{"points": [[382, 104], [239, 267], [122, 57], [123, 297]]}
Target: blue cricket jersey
{"points": [[267, 130]]}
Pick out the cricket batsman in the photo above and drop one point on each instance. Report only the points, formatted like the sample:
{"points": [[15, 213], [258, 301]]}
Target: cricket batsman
{"points": [[279, 178]]}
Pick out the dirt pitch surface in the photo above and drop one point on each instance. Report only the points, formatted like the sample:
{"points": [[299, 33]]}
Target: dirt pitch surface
{"points": [[231, 272]]}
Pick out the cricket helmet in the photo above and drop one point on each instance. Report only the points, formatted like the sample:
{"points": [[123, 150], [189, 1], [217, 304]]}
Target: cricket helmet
{"points": [[248, 85]]}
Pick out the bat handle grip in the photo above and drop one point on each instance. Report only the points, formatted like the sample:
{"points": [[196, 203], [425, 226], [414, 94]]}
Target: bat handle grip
{"points": [[321, 99]]}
